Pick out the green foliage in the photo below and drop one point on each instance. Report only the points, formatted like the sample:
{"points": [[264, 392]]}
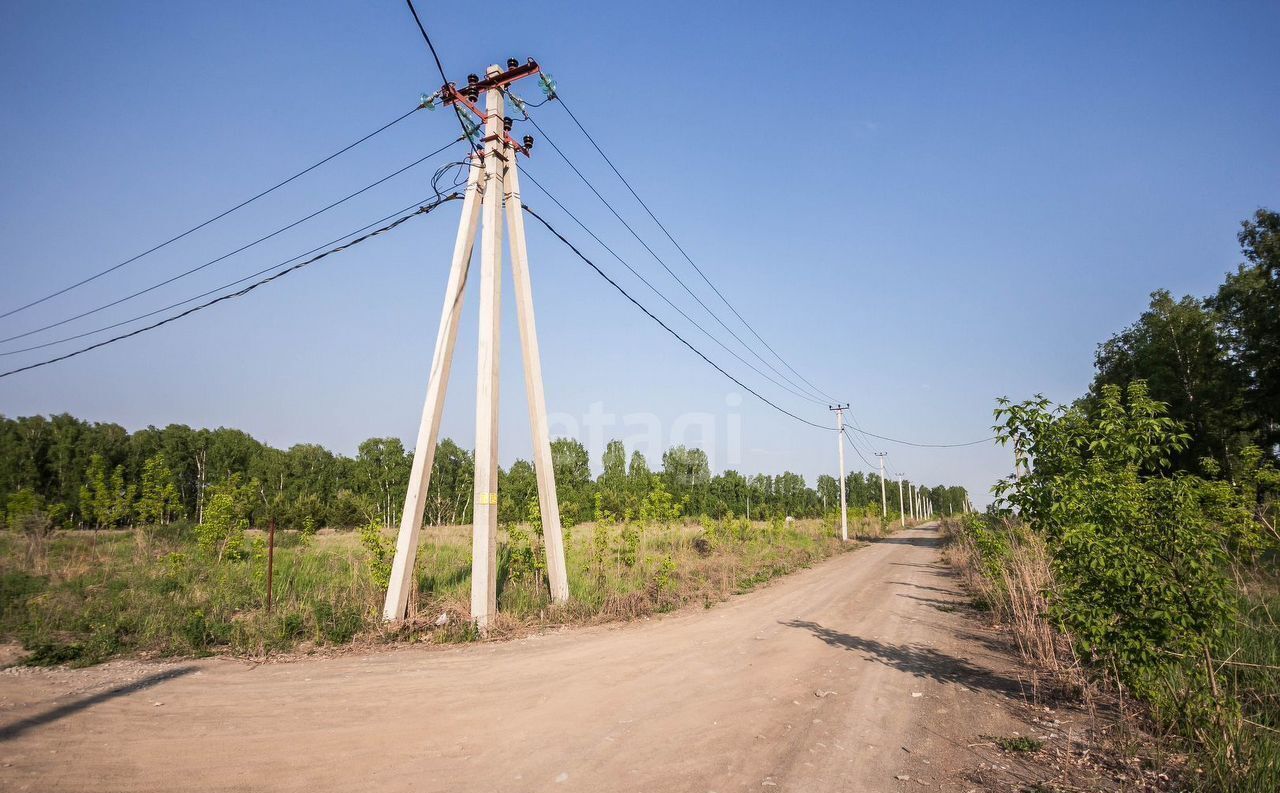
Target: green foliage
{"points": [[574, 489], [381, 550], [524, 560], [628, 550], [1174, 348], [665, 576], [660, 506], [1154, 569], [226, 517], [99, 475], [382, 472], [1248, 308], [600, 538], [1140, 555], [20, 504], [106, 498], [1017, 743], [1216, 361], [158, 500]]}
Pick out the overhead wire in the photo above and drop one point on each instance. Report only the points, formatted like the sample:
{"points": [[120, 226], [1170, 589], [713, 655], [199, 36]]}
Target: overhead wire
{"points": [[559, 97], [217, 289], [680, 248], [666, 327], [422, 210], [217, 217], [225, 256], [928, 445], [815, 396], [854, 446], [440, 68], [866, 446], [659, 293]]}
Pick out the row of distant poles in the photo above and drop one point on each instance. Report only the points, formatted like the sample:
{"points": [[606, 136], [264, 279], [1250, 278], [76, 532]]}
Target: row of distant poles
{"points": [[920, 504], [493, 186]]}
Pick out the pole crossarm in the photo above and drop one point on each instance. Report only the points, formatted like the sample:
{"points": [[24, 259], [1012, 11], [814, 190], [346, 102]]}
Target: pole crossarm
{"points": [[466, 97]]}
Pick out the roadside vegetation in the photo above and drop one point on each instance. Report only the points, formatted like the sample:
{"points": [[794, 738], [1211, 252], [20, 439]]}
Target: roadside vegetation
{"points": [[77, 597], [1135, 552], [155, 541]]}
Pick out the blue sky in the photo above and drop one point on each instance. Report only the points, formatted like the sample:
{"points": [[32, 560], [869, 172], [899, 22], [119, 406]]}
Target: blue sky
{"points": [[921, 206]]}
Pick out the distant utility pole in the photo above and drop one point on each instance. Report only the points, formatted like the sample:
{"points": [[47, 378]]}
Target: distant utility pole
{"points": [[492, 182], [884, 500], [902, 508], [844, 507]]}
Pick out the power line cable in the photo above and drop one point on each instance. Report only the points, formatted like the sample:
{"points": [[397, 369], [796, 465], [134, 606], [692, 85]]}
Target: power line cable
{"points": [[659, 293], [422, 210], [666, 327], [854, 446], [216, 289], [219, 216], [928, 445], [865, 447], [680, 248], [242, 248], [439, 67], [658, 258]]}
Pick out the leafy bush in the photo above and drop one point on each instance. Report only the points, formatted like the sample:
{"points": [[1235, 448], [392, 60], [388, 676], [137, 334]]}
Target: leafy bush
{"points": [[226, 516], [1140, 554], [1148, 563], [381, 551]]}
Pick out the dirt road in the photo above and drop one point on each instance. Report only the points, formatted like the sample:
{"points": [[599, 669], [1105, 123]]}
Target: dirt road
{"points": [[842, 677]]}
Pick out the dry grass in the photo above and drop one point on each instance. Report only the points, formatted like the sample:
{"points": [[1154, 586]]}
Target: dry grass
{"points": [[1010, 574]]}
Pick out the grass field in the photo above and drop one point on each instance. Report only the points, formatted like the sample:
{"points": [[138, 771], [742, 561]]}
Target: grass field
{"points": [[82, 597]]}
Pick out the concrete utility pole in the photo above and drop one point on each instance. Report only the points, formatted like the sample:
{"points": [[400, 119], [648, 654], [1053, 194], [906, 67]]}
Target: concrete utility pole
{"points": [[884, 500], [492, 182], [844, 507], [902, 509]]}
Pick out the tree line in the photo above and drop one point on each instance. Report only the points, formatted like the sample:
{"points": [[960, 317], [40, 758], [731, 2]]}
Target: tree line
{"points": [[98, 475], [1215, 361]]}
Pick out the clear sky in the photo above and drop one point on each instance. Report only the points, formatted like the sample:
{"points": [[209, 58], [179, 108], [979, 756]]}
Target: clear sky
{"points": [[921, 206]]}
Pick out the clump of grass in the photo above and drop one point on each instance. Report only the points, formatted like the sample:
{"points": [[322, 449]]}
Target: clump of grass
{"points": [[1017, 743]]}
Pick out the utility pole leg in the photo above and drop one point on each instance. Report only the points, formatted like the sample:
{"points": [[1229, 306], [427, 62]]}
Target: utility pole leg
{"points": [[553, 536], [484, 530], [424, 451]]}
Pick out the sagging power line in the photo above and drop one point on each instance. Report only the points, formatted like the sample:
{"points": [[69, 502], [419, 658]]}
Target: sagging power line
{"points": [[812, 396], [667, 327], [226, 256], [213, 219], [217, 289], [422, 210], [680, 248], [661, 294]]}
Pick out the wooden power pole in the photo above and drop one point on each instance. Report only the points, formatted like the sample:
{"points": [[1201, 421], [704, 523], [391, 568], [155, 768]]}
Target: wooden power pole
{"points": [[492, 185], [844, 507]]}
